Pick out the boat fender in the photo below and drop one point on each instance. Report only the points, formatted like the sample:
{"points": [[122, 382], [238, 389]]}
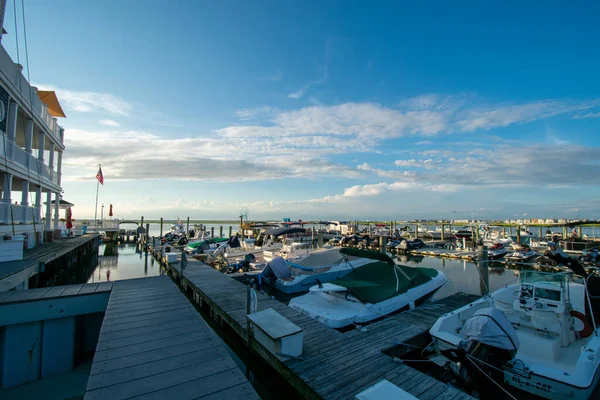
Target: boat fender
{"points": [[587, 329]]}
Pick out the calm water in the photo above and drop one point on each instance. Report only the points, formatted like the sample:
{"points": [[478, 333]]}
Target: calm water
{"points": [[124, 261], [463, 276]]}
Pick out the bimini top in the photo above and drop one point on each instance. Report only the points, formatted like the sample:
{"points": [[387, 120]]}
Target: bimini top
{"points": [[284, 231], [374, 255], [379, 281]]}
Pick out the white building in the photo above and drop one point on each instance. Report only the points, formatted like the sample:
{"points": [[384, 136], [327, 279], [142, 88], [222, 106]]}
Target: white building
{"points": [[31, 150]]}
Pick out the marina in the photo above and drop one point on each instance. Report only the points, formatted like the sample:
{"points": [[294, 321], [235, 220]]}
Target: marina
{"points": [[303, 202]]}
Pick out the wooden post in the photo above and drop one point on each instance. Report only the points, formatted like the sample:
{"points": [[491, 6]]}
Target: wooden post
{"points": [[417, 231], [579, 232], [503, 232], [312, 243], [248, 301], [564, 232], [541, 231], [382, 244], [242, 226], [161, 226], [221, 231], [230, 230], [443, 227], [518, 233], [212, 232], [319, 239], [142, 221], [482, 263], [391, 227], [476, 234], [187, 228], [147, 234]]}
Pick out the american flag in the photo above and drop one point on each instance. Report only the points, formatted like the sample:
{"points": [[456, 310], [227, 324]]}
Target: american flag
{"points": [[99, 176]]}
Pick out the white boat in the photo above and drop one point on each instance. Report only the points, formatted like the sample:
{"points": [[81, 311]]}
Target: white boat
{"points": [[368, 293], [299, 274], [523, 253], [532, 335], [497, 251]]}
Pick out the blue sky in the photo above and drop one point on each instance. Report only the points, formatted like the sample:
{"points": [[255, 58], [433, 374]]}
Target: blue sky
{"points": [[309, 109]]}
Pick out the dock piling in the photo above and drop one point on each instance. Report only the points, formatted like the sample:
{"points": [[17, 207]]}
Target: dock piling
{"points": [[417, 231], [442, 235], [518, 233], [229, 231], [212, 231], [161, 226], [187, 226], [221, 231], [382, 244], [482, 263]]}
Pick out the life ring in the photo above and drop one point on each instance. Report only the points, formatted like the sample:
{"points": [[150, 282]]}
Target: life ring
{"points": [[587, 329]]}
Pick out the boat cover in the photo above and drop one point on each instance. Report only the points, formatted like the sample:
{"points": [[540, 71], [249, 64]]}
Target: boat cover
{"points": [[278, 267], [374, 255], [284, 231], [490, 326], [234, 242], [377, 282], [322, 258]]}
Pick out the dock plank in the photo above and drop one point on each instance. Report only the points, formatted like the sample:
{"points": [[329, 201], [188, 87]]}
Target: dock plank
{"points": [[158, 347], [334, 365]]}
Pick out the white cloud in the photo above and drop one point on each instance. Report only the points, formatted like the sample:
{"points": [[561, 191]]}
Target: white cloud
{"points": [[427, 164], [91, 101], [274, 77], [325, 72], [377, 122], [588, 115], [109, 122]]}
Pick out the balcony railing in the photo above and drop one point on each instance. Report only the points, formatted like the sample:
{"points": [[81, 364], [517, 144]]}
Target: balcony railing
{"points": [[20, 214], [13, 75], [35, 166]]}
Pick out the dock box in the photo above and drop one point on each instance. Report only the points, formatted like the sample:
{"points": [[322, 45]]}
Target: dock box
{"points": [[171, 257], [11, 247], [277, 334], [384, 390]]}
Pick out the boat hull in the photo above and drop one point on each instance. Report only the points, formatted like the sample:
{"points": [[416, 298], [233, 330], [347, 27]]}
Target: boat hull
{"points": [[337, 312]]}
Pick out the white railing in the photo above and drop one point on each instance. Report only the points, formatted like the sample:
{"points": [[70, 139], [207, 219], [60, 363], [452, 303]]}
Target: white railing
{"points": [[11, 72], [20, 214], [20, 156]]}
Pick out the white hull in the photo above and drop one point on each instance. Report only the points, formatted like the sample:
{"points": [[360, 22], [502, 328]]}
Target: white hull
{"points": [[335, 311], [555, 370]]}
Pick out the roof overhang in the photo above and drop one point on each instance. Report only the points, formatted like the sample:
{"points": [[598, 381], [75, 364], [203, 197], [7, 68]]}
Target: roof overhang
{"points": [[48, 97]]}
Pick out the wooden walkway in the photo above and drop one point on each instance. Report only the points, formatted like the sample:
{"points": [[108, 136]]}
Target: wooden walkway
{"points": [[52, 250], [47, 293], [154, 345], [335, 365], [14, 272]]}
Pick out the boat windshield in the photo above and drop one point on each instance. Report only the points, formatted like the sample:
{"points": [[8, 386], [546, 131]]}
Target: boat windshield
{"points": [[527, 276]]}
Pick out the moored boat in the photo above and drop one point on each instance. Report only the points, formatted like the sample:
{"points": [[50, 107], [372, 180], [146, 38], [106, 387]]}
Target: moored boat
{"points": [[524, 253], [538, 336], [366, 294]]}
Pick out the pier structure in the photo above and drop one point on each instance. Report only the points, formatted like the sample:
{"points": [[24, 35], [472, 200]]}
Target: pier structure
{"points": [[333, 365]]}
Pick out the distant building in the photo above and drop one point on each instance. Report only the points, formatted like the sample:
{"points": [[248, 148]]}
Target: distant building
{"points": [[31, 150]]}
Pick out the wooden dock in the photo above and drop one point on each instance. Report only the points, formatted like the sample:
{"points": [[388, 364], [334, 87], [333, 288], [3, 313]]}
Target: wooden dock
{"points": [[154, 344], [334, 365], [15, 273]]}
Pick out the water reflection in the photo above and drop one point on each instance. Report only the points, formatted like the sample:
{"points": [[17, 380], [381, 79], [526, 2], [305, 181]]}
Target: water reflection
{"points": [[123, 261], [463, 276]]}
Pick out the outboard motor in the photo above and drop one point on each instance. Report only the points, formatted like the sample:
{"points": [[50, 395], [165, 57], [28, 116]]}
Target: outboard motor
{"points": [[491, 343]]}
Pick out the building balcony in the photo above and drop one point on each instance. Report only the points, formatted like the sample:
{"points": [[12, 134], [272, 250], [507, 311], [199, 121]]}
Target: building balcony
{"points": [[33, 168], [20, 89], [19, 214]]}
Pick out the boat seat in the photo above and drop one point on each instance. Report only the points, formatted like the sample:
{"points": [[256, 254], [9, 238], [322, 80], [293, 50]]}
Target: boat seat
{"points": [[546, 320], [506, 308]]}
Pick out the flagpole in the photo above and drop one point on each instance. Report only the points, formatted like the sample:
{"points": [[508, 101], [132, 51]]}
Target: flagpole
{"points": [[96, 209]]}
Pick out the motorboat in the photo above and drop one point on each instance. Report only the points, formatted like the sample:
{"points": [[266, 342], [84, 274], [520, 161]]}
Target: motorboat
{"points": [[369, 293], [590, 257], [537, 336], [523, 253], [202, 246], [413, 244], [300, 274], [464, 232], [497, 252]]}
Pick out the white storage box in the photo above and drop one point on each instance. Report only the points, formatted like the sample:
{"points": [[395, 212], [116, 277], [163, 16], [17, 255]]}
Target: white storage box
{"points": [[277, 334], [11, 248], [384, 390], [171, 257]]}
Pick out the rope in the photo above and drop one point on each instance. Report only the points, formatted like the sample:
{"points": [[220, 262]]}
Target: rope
{"points": [[490, 378]]}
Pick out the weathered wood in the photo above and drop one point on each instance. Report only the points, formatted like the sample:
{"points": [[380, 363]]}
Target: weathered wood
{"points": [[155, 347]]}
